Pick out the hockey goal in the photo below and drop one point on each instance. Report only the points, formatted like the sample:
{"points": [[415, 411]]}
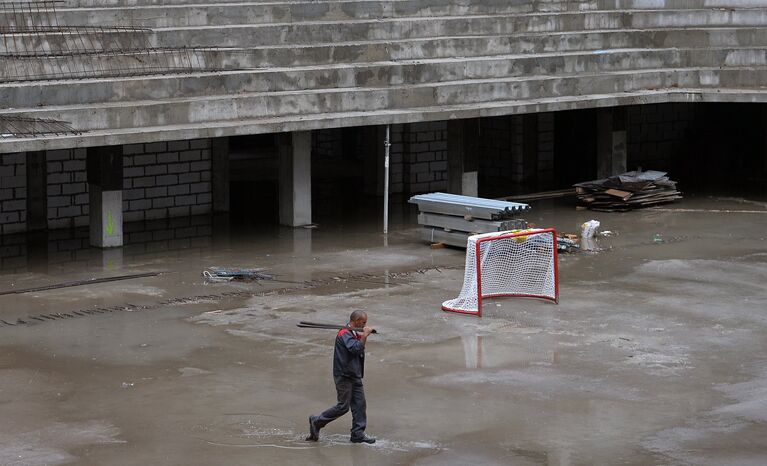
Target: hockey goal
{"points": [[510, 263]]}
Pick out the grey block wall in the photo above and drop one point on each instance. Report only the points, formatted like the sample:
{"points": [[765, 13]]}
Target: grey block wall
{"points": [[13, 193], [545, 168], [67, 188], [418, 154], [166, 179], [327, 144], [502, 159], [161, 180], [13, 253], [656, 134], [424, 149]]}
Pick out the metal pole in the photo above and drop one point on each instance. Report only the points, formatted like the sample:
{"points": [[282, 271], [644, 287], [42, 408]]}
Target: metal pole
{"points": [[387, 144]]}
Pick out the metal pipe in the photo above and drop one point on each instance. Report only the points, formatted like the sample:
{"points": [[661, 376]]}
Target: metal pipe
{"points": [[387, 144]]}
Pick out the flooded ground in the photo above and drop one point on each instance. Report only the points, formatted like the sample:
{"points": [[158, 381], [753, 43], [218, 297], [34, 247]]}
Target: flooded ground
{"points": [[656, 353]]}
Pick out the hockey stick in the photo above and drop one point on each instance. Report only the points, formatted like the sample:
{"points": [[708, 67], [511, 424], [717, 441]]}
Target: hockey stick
{"points": [[304, 324]]}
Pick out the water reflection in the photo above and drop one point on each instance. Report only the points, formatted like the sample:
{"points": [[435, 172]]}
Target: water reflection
{"points": [[40, 251]]}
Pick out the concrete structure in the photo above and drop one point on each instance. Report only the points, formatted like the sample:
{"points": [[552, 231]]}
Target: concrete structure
{"points": [[445, 74]]}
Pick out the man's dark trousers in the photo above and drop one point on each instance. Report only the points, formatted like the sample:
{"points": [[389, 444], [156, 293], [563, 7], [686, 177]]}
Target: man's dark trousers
{"points": [[350, 395]]}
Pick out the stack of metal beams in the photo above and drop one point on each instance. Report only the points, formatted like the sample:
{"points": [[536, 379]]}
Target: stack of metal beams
{"points": [[450, 219]]}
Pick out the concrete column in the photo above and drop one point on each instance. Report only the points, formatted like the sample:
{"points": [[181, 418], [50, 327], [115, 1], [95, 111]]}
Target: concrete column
{"points": [[219, 154], [112, 259], [295, 190], [37, 191], [463, 137], [611, 142], [105, 179]]}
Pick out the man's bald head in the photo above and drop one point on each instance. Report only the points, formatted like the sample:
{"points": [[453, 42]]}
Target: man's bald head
{"points": [[358, 314]]}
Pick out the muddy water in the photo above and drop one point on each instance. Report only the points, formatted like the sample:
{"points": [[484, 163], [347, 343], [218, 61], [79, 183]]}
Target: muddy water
{"points": [[655, 354]]}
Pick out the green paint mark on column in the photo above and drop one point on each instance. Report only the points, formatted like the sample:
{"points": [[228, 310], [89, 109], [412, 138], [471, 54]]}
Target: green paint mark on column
{"points": [[110, 223]]}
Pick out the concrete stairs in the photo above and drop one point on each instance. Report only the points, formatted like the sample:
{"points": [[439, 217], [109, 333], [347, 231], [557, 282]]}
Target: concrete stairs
{"points": [[276, 66]]}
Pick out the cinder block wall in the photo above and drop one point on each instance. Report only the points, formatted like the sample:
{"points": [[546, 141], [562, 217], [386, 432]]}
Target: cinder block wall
{"points": [[545, 168], [13, 193], [161, 180], [166, 179], [67, 188], [417, 156], [423, 147], [502, 160], [656, 133], [13, 253]]}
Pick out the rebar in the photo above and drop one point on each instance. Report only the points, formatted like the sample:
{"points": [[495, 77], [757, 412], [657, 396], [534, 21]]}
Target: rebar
{"points": [[35, 46], [13, 127]]}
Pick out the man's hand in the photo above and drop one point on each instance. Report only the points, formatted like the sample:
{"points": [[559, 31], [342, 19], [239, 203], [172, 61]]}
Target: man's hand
{"points": [[367, 331]]}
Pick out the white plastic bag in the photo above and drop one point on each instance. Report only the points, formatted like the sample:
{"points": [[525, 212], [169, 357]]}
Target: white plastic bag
{"points": [[589, 229]]}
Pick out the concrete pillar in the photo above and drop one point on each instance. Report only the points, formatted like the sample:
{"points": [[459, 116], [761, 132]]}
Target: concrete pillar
{"points": [[105, 179], [112, 259], [295, 181], [463, 137], [37, 191], [611, 142], [219, 153]]}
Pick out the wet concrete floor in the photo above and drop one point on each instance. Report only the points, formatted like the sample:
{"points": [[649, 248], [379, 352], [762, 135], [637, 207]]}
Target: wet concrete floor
{"points": [[654, 355]]}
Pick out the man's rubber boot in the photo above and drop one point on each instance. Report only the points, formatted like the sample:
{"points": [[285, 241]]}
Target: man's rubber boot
{"points": [[363, 439], [314, 432]]}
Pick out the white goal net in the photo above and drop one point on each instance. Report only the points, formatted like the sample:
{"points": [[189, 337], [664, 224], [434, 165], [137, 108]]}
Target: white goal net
{"points": [[509, 263]]}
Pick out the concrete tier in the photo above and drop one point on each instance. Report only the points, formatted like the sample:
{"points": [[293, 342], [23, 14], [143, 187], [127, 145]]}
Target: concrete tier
{"points": [[254, 35], [302, 65], [370, 75], [397, 98]]}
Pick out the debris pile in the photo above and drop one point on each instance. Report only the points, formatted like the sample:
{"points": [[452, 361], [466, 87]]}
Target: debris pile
{"points": [[567, 243], [631, 190], [450, 219], [221, 274]]}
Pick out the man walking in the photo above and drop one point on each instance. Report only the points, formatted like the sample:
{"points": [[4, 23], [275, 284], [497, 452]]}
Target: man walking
{"points": [[348, 370]]}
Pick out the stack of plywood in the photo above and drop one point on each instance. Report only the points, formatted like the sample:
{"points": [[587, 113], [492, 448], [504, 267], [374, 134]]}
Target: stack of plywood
{"points": [[631, 190], [451, 219]]}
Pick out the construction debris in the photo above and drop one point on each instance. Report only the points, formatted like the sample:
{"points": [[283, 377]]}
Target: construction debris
{"points": [[450, 219], [589, 229], [220, 274], [566, 244], [540, 195], [630, 190]]}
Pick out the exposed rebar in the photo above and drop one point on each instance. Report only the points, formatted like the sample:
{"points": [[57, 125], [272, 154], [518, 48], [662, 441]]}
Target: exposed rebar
{"points": [[35, 46]]}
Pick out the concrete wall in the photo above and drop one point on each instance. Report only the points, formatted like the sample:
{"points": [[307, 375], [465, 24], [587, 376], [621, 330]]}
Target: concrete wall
{"points": [[418, 154], [162, 180], [657, 134], [13, 253], [419, 157], [13, 193], [452, 61], [67, 188], [513, 158]]}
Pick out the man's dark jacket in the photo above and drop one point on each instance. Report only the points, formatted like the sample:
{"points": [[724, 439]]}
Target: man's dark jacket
{"points": [[349, 355]]}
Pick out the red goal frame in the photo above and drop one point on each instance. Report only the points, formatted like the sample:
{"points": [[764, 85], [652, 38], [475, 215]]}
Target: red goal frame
{"points": [[478, 258]]}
